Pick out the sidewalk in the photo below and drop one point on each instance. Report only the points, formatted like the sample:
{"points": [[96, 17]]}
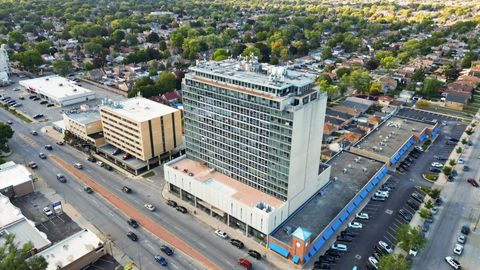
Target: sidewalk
{"points": [[42, 187]]}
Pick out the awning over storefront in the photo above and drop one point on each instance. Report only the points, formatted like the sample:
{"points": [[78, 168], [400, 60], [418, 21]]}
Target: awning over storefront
{"points": [[280, 250]]}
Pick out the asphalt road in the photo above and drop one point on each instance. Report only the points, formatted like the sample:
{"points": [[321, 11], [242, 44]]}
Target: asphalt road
{"points": [[108, 219]]}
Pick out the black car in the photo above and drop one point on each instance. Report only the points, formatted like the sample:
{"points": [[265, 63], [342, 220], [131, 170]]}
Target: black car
{"points": [[43, 102], [181, 209], [348, 233], [32, 97], [378, 199], [344, 238], [400, 169], [126, 189], [172, 203], [132, 222], [237, 243], [254, 254], [333, 253], [36, 116], [88, 189], [439, 201], [327, 258], [415, 206], [405, 214], [48, 147], [321, 265], [132, 236], [435, 170], [91, 159], [465, 229], [166, 250]]}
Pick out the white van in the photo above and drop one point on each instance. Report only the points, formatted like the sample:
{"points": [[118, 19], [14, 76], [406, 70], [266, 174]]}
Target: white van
{"points": [[339, 247]]}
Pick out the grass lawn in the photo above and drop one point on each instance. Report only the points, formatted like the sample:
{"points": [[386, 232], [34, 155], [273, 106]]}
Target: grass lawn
{"points": [[17, 114], [148, 174]]}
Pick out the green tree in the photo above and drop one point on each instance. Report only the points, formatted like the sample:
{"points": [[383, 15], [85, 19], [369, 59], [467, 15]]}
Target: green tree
{"points": [[166, 82], [153, 37], [431, 87], [220, 54], [343, 71], [410, 238], [89, 66], [360, 80], [375, 89], [251, 50], [423, 213], [117, 36], [389, 62], [16, 37], [29, 59], [327, 52], [459, 150], [331, 90], [43, 47], [237, 49], [434, 193], [393, 262], [469, 131], [191, 47], [429, 204], [464, 141], [6, 133], [12, 257], [93, 48], [62, 67], [447, 170], [176, 40]]}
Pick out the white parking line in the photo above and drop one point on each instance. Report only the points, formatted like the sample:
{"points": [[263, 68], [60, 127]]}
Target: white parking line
{"points": [[388, 240], [400, 222], [391, 235]]}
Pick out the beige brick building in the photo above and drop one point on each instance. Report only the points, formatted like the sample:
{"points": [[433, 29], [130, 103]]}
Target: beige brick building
{"points": [[86, 126], [142, 128]]}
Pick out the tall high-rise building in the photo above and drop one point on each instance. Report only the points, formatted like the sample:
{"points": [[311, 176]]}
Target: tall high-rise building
{"points": [[4, 64], [256, 124]]}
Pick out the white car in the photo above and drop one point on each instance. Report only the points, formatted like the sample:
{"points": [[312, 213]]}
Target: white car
{"points": [[437, 165], [453, 263], [362, 216], [413, 252], [99, 163], [434, 210], [460, 161], [355, 225], [340, 247], [462, 239], [221, 234], [419, 148], [47, 211], [382, 194], [373, 261], [149, 207], [458, 249], [385, 246]]}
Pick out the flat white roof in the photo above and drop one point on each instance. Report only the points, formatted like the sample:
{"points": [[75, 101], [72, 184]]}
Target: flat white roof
{"points": [[12, 221], [70, 249], [12, 174], [139, 109], [56, 87]]}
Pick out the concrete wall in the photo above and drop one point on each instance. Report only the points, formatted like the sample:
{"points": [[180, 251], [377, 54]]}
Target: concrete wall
{"points": [[23, 189], [84, 261]]}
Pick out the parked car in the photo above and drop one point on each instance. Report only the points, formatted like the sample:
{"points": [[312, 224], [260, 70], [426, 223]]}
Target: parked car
{"points": [[405, 214], [132, 222], [425, 227], [254, 254], [462, 239], [381, 194], [414, 205], [245, 263], [472, 182], [461, 161], [239, 244], [91, 159], [132, 236], [36, 116], [47, 211], [466, 168], [221, 234], [43, 102], [181, 209], [167, 250], [59, 143], [355, 225], [340, 247], [465, 229], [434, 210], [171, 203], [321, 265], [149, 207], [362, 216], [417, 197], [458, 249], [344, 238], [435, 170], [100, 163], [378, 199], [437, 165], [453, 263], [333, 253], [160, 260], [385, 246]]}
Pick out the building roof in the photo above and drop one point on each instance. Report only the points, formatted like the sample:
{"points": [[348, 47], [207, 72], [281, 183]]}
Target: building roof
{"points": [[456, 97], [12, 174], [14, 222], [390, 136], [70, 249], [55, 87], [224, 184], [325, 205], [138, 109], [85, 117], [302, 234]]}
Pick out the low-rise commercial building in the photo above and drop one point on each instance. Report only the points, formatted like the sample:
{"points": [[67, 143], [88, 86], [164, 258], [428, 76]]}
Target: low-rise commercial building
{"points": [[143, 129], [58, 90], [74, 252], [15, 180], [12, 221], [85, 126]]}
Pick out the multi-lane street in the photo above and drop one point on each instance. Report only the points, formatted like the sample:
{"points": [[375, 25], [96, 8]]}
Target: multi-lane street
{"points": [[110, 220]]}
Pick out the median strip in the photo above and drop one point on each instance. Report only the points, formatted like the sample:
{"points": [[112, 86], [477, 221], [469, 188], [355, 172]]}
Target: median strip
{"points": [[142, 219]]}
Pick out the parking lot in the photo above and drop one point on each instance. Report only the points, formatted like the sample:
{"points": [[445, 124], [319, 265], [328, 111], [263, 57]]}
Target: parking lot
{"points": [[106, 262], [384, 218], [425, 116], [56, 227], [54, 113]]}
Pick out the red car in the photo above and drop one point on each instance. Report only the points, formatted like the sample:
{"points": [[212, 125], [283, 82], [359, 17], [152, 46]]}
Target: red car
{"points": [[245, 263], [472, 182]]}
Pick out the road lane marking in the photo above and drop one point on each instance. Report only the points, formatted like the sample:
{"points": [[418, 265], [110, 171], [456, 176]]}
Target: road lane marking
{"points": [[174, 265]]}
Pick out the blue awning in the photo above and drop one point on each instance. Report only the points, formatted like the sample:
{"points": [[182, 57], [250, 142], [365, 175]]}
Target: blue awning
{"points": [[344, 216], [358, 200], [295, 259], [352, 207], [364, 194], [328, 234], [280, 250], [337, 224], [319, 244]]}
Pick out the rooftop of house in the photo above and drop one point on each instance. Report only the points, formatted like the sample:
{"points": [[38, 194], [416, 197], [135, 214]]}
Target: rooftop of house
{"points": [[324, 206], [86, 117], [390, 136], [137, 109], [12, 174]]}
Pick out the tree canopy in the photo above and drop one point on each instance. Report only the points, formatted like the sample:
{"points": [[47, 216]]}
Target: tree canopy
{"points": [[12, 257]]}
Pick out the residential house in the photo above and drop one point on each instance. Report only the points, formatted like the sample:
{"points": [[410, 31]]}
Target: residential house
{"points": [[384, 101], [388, 85], [456, 100]]}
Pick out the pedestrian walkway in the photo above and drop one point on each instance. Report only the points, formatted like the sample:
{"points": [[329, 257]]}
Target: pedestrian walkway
{"points": [[143, 220]]}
